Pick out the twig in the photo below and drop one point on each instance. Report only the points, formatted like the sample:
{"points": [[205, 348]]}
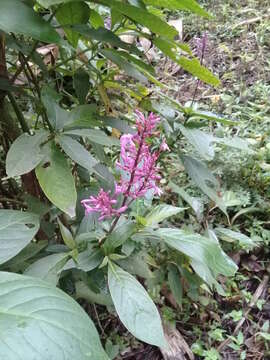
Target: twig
{"points": [[98, 321], [5, 199], [253, 301]]}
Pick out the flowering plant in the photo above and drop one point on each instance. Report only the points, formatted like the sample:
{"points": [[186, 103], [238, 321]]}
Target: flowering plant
{"points": [[120, 240], [139, 171]]}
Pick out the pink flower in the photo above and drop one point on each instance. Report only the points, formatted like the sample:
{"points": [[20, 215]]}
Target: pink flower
{"points": [[164, 146], [103, 204], [138, 166]]}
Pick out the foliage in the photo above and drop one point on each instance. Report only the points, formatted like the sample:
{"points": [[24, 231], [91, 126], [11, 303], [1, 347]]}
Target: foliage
{"points": [[69, 85]]}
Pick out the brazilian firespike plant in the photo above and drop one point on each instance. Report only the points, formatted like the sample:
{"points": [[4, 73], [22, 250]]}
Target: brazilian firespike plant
{"points": [[139, 172], [80, 219]]}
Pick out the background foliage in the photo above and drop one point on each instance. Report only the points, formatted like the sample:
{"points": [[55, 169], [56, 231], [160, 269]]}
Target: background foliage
{"points": [[71, 75]]}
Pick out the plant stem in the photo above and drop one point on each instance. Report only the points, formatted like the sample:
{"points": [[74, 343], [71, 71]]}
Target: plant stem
{"points": [[18, 113], [198, 81], [20, 69], [33, 79]]}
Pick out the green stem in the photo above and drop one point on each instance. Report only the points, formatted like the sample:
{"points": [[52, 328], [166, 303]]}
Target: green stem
{"points": [[18, 113], [83, 292]]}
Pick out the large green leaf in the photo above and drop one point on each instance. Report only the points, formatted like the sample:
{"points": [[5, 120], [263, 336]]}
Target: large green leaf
{"points": [[195, 203], [96, 136], [199, 248], [105, 36], [205, 180], [202, 114], [190, 5], [144, 67], [83, 116], [117, 58], [57, 116], [72, 13], [56, 180], [86, 260], [202, 141], [19, 18], [152, 22], [17, 229], [160, 213], [232, 236], [77, 152], [136, 265], [40, 322], [135, 307], [21, 261], [193, 66], [25, 153], [48, 268]]}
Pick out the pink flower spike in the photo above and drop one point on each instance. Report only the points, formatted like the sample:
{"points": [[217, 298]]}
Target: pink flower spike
{"points": [[139, 170]]}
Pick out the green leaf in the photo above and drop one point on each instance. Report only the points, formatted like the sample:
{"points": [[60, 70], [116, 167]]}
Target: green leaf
{"points": [[207, 115], [123, 64], [175, 284], [138, 3], [264, 335], [106, 36], [160, 213], [48, 3], [39, 321], [205, 180], [57, 116], [81, 83], [152, 22], [25, 153], [236, 143], [67, 236], [86, 261], [19, 262], [112, 350], [72, 13], [206, 274], [96, 19], [146, 68], [135, 307], [119, 235], [17, 229], [83, 116], [189, 5], [77, 152], [199, 248], [35, 206], [18, 18], [193, 66], [85, 292], [202, 141], [195, 203], [247, 210], [232, 236], [96, 136], [48, 268], [56, 180], [136, 265]]}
